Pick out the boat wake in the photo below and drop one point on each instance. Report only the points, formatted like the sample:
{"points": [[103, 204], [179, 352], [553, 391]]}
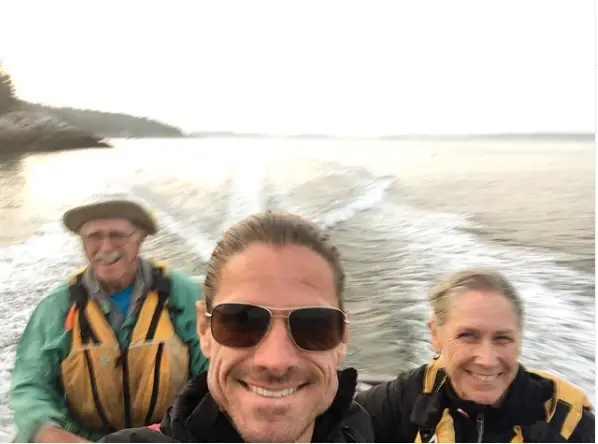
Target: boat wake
{"points": [[392, 252]]}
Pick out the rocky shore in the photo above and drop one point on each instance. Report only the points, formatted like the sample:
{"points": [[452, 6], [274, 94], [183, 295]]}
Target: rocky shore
{"points": [[31, 130]]}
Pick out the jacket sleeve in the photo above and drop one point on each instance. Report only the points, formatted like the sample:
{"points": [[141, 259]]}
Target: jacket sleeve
{"points": [[384, 404], [357, 426], [140, 434], [187, 294], [545, 432], [586, 429], [35, 395]]}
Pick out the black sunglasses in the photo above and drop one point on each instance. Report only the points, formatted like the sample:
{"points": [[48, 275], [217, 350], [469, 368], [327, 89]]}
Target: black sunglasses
{"points": [[240, 325]]}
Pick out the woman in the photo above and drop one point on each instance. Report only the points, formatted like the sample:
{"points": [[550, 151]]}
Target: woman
{"points": [[474, 390]]}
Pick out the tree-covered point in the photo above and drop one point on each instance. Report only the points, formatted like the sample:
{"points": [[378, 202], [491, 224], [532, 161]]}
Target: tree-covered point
{"points": [[32, 126]]}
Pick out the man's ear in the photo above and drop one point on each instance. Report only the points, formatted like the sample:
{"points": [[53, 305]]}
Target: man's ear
{"points": [[342, 348], [203, 329], [142, 234]]}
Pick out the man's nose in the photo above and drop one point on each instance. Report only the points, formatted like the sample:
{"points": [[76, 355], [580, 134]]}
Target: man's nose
{"points": [[106, 243], [277, 352]]}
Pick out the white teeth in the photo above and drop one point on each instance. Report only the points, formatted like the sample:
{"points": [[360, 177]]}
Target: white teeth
{"points": [[272, 393], [485, 378]]}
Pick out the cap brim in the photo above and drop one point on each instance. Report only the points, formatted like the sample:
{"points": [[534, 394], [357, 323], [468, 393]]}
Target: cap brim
{"points": [[114, 209]]}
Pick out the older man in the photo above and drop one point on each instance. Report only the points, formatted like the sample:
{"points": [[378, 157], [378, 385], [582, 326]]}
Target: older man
{"points": [[110, 348], [275, 330]]}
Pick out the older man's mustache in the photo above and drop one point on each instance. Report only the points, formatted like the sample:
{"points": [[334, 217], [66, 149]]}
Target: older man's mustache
{"points": [[107, 258]]}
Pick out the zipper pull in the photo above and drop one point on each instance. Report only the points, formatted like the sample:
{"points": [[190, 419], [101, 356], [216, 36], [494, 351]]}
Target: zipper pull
{"points": [[480, 426]]}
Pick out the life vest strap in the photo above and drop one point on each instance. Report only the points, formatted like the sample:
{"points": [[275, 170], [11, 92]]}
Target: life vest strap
{"points": [[162, 286], [96, 397], [559, 416], [156, 384], [434, 377], [80, 299]]}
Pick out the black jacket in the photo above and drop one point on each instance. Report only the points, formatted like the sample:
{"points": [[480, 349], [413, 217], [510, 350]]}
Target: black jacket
{"points": [[195, 417], [399, 410]]}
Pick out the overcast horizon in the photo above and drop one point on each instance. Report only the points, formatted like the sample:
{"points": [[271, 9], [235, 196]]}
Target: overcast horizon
{"points": [[336, 68]]}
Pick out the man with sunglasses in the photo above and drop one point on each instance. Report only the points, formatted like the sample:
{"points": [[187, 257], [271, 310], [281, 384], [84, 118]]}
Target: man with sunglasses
{"points": [[111, 347], [273, 325]]}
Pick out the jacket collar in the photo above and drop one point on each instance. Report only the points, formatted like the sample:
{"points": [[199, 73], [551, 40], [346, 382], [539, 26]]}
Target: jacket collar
{"points": [[523, 404], [143, 278], [195, 415], [143, 282]]}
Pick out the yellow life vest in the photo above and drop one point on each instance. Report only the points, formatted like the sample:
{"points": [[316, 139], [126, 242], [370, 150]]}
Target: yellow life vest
{"points": [[564, 410], [109, 389]]}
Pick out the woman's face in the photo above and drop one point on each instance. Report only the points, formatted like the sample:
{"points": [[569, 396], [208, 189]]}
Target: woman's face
{"points": [[479, 345]]}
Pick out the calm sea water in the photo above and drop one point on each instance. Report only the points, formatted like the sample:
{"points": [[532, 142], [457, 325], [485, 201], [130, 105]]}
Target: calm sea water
{"points": [[404, 213]]}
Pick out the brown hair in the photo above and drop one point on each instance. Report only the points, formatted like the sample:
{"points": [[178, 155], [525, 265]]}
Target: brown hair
{"points": [[473, 279], [277, 229]]}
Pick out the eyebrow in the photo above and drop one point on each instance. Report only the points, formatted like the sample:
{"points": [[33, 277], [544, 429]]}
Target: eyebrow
{"points": [[110, 230], [477, 330]]}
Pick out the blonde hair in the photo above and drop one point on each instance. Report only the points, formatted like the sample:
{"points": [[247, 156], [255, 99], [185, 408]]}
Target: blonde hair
{"points": [[472, 279]]}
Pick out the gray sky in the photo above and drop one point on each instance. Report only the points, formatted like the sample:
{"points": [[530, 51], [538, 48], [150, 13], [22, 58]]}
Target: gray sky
{"points": [[344, 67]]}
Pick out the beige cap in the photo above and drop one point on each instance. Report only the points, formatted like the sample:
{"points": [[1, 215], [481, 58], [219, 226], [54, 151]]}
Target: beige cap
{"points": [[74, 218]]}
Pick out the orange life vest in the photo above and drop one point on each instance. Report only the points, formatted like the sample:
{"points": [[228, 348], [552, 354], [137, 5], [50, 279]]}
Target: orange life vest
{"points": [[108, 389]]}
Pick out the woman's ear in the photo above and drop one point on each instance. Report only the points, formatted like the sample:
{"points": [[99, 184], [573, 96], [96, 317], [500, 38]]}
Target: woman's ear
{"points": [[434, 334]]}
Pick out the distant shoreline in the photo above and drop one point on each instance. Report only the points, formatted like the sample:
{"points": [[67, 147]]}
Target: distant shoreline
{"points": [[444, 137], [30, 127]]}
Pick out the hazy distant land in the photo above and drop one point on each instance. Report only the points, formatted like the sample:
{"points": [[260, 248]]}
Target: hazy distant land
{"points": [[28, 126], [496, 136], [34, 127]]}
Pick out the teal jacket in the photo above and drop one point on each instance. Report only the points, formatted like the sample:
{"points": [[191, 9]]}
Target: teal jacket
{"points": [[36, 397]]}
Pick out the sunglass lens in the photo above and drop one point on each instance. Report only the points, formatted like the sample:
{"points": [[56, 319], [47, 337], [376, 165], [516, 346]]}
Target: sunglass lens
{"points": [[239, 325], [317, 329]]}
